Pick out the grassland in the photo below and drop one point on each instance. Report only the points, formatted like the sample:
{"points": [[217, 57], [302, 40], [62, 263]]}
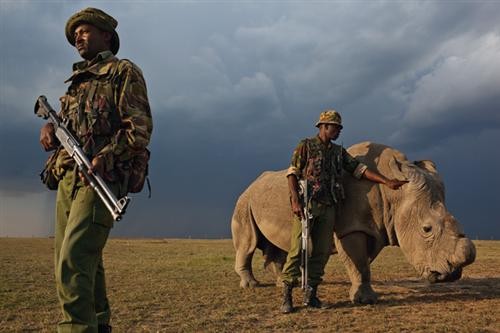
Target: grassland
{"points": [[190, 286]]}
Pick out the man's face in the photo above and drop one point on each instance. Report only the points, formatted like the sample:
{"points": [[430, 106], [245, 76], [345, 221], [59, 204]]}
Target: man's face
{"points": [[89, 41], [332, 131]]}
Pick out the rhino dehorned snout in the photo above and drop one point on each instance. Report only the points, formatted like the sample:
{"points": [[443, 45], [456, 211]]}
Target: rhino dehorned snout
{"points": [[435, 277]]}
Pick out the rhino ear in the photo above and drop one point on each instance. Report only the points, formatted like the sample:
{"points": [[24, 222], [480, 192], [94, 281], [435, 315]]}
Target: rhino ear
{"points": [[427, 165], [399, 168]]}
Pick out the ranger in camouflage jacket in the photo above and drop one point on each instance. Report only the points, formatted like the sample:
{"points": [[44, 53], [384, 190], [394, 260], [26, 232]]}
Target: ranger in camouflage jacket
{"points": [[106, 107], [321, 162]]}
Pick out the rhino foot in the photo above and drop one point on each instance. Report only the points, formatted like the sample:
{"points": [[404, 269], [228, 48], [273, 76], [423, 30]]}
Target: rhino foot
{"points": [[248, 281], [363, 294]]}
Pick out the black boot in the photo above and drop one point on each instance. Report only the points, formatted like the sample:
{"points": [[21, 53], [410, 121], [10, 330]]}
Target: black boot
{"points": [[310, 298], [104, 328], [287, 305]]}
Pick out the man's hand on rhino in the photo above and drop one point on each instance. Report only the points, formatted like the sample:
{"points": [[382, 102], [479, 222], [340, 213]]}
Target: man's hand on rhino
{"points": [[376, 177], [395, 183]]}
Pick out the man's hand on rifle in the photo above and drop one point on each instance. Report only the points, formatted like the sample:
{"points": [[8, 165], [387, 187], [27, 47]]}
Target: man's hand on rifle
{"points": [[298, 209], [97, 169], [48, 139]]}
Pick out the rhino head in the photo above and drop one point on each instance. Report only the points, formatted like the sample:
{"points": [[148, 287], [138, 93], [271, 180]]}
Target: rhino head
{"points": [[429, 236]]}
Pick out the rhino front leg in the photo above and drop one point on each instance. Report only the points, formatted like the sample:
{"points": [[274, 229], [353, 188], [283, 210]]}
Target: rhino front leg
{"points": [[353, 252]]}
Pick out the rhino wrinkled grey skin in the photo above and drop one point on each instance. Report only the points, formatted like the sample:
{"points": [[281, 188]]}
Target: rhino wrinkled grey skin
{"points": [[371, 217]]}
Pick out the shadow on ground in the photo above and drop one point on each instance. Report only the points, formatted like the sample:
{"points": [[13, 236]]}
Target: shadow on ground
{"points": [[406, 292]]}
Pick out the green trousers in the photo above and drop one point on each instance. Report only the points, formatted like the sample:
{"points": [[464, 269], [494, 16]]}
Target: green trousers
{"points": [[82, 228], [322, 241]]}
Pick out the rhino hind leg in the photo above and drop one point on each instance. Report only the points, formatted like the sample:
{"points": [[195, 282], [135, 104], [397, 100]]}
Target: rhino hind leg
{"points": [[353, 251], [243, 266], [245, 238]]}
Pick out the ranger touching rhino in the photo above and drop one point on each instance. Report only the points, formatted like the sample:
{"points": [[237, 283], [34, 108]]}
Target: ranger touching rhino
{"points": [[320, 162], [371, 217]]}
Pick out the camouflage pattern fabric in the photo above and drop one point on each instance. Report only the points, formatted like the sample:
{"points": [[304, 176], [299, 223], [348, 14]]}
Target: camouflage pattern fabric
{"points": [[322, 165], [107, 108], [329, 117]]}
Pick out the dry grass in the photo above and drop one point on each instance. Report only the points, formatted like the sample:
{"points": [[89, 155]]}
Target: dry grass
{"points": [[190, 286]]}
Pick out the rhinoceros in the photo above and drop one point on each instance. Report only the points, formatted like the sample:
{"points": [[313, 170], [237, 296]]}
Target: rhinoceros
{"points": [[371, 217]]}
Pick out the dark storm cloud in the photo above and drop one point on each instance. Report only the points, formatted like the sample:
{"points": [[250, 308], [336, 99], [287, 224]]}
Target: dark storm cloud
{"points": [[20, 165], [458, 97], [234, 87]]}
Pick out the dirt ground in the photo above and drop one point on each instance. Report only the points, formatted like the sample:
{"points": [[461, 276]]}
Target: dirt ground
{"points": [[170, 285]]}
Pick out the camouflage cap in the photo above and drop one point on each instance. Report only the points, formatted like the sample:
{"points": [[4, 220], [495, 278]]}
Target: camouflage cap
{"points": [[97, 18], [329, 117]]}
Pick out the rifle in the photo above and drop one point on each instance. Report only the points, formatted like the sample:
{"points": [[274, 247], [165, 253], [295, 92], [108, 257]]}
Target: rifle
{"points": [[306, 228], [115, 206]]}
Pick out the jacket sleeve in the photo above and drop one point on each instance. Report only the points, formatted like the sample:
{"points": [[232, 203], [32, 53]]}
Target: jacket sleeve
{"points": [[352, 165], [299, 160], [136, 123]]}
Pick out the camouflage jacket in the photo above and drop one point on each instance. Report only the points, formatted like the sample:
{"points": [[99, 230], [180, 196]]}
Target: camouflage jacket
{"points": [[106, 107], [322, 165]]}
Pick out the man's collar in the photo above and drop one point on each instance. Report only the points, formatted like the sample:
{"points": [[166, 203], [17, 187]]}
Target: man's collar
{"points": [[92, 66], [82, 65], [318, 139]]}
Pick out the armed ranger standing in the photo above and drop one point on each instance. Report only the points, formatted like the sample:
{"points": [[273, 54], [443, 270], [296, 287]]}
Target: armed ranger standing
{"points": [[115, 206], [100, 138], [319, 162]]}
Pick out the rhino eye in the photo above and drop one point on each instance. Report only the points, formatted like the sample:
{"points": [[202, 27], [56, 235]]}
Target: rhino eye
{"points": [[427, 228]]}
